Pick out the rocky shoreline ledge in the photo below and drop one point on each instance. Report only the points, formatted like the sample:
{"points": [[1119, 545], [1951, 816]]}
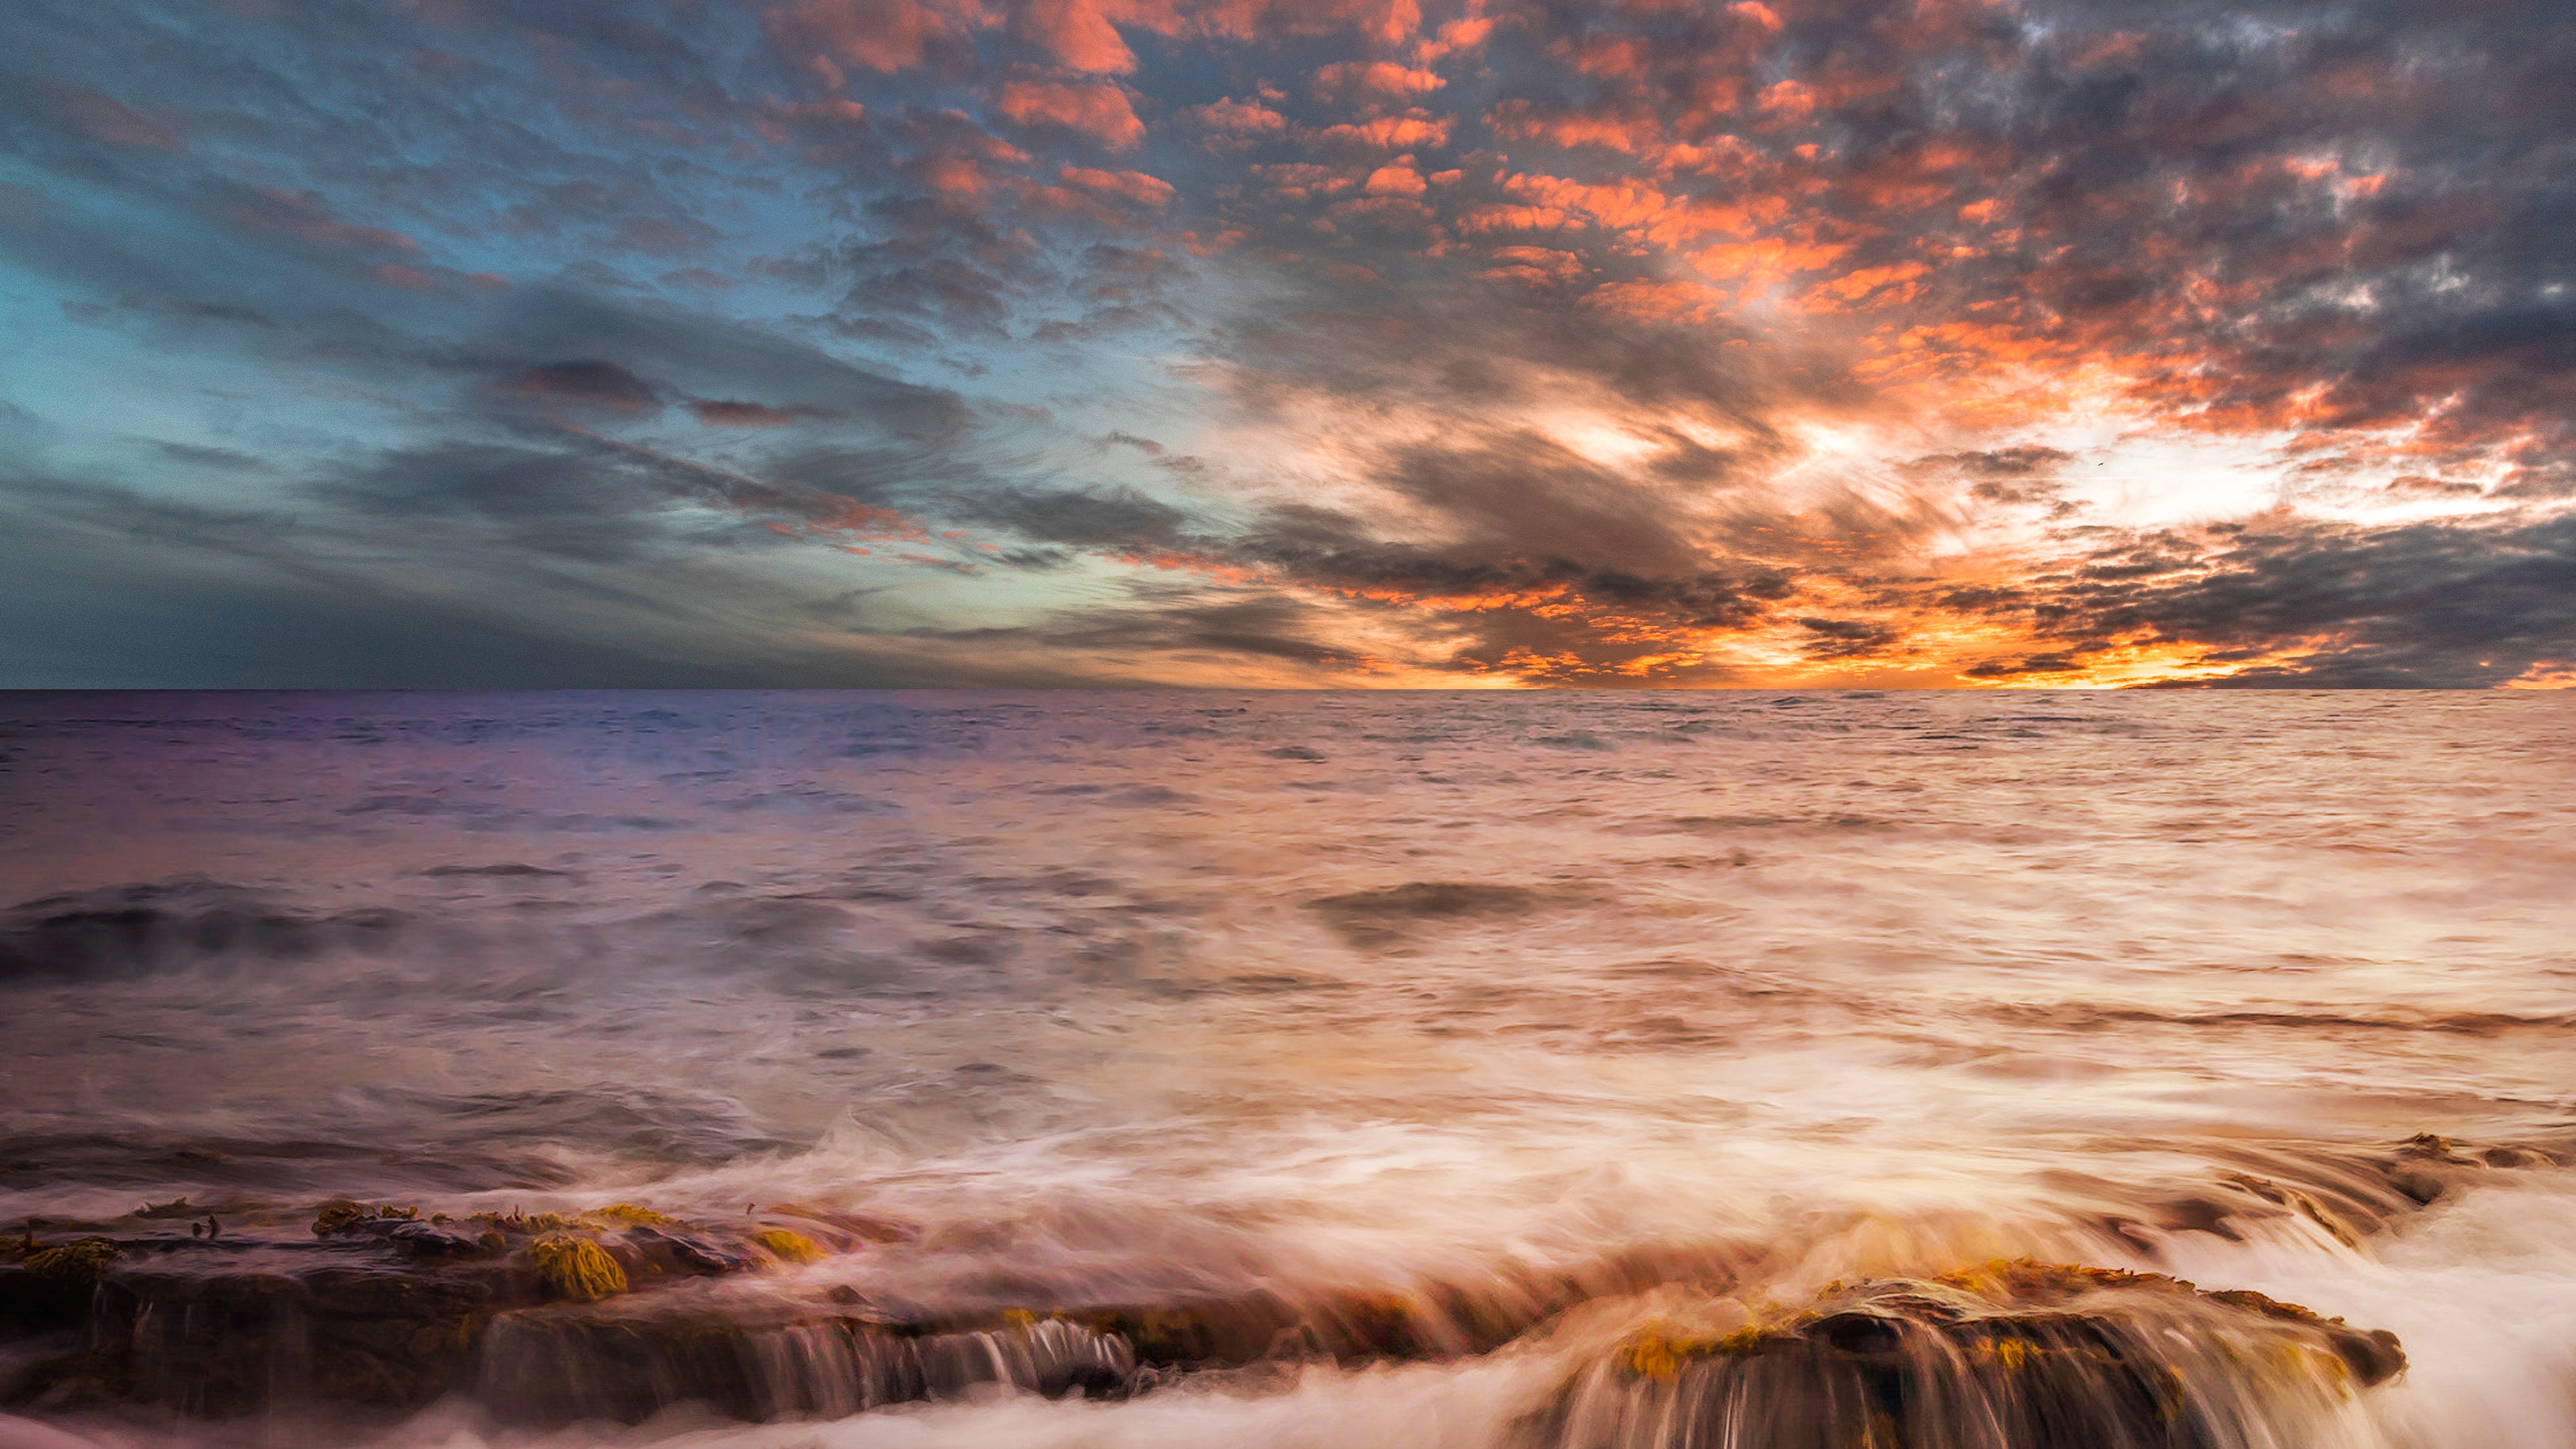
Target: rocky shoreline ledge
{"points": [[621, 1311]]}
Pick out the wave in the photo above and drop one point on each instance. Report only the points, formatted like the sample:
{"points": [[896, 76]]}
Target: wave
{"points": [[2095, 1016], [133, 930]]}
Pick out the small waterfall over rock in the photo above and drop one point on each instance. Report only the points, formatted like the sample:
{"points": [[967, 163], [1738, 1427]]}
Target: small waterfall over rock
{"points": [[2012, 1356]]}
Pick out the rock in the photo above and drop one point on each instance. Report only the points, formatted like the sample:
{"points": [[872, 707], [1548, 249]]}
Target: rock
{"points": [[662, 1252], [425, 1241], [2013, 1355], [376, 1307], [576, 1268], [787, 1245], [626, 1361], [81, 1263], [341, 1216]]}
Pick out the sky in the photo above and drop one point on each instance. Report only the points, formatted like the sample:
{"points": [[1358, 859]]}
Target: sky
{"points": [[1287, 343]]}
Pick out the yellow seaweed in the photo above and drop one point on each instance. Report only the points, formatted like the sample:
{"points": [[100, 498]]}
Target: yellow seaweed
{"points": [[787, 1245], [576, 1268]]}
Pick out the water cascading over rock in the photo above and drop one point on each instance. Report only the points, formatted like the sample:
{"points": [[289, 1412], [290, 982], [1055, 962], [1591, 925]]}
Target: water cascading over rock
{"points": [[2016, 1355]]}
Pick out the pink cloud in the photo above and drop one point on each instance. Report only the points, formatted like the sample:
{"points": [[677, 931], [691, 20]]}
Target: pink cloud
{"points": [[103, 119], [877, 35], [1076, 35], [586, 382], [1133, 185], [727, 413], [1094, 109], [303, 214], [1238, 116]]}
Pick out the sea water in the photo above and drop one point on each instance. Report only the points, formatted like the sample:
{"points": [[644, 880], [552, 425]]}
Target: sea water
{"points": [[1133, 996]]}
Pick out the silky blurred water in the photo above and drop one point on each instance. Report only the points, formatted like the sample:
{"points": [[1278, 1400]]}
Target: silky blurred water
{"points": [[1145, 993]]}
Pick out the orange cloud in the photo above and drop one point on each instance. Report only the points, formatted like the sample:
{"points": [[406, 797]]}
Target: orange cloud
{"points": [[1390, 133], [1522, 121], [1397, 180], [1765, 259], [1534, 265], [1377, 77]]}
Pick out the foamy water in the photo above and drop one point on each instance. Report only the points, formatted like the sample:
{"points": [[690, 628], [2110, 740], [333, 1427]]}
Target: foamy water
{"points": [[1136, 996]]}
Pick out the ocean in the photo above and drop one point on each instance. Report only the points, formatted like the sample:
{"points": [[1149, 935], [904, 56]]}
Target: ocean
{"points": [[1534, 1025]]}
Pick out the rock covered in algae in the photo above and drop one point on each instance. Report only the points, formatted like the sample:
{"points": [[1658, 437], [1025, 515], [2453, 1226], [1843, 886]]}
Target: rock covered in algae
{"points": [[2013, 1355], [575, 1268], [359, 1304], [787, 1245], [82, 1262], [342, 1217]]}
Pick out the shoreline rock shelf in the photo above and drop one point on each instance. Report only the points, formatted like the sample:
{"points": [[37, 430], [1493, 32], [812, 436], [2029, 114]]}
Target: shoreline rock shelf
{"points": [[621, 1311]]}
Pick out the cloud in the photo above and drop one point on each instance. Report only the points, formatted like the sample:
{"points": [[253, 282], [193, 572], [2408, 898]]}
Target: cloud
{"points": [[586, 382], [879, 35], [1563, 342], [1099, 110], [1133, 186], [95, 116], [723, 413], [2425, 605], [305, 215], [1376, 77]]}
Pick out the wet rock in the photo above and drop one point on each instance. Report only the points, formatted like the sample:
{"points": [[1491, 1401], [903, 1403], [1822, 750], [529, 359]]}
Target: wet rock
{"points": [[342, 1217], [345, 1329], [2348, 1193], [787, 1245], [2014, 1355], [661, 1252], [376, 1307], [78, 1263], [616, 1362], [576, 1268], [49, 1288], [427, 1241]]}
